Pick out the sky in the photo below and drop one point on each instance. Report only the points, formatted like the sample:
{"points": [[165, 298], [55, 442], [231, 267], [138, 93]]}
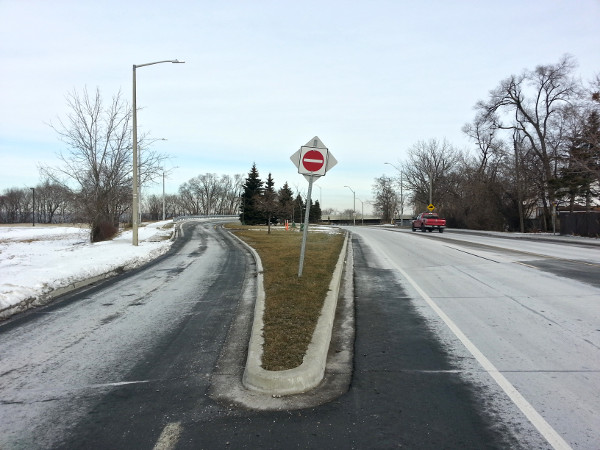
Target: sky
{"points": [[262, 78]]}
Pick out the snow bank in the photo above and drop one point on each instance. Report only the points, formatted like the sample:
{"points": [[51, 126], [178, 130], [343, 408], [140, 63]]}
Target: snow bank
{"points": [[36, 261]]}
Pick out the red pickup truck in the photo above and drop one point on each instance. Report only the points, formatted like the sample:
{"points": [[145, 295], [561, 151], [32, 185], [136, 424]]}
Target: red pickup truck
{"points": [[428, 221]]}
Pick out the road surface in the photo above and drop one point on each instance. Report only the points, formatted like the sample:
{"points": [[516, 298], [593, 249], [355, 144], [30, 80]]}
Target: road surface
{"points": [[129, 364], [521, 314]]}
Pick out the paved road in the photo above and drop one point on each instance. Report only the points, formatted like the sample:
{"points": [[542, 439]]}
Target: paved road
{"points": [[107, 367], [129, 364], [523, 313]]}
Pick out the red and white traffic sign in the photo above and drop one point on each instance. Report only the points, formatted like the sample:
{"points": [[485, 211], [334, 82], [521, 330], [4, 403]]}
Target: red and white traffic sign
{"points": [[313, 159]]}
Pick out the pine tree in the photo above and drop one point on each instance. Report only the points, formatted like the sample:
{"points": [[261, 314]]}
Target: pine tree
{"points": [[286, 202], [298, 212], [315, 212], [253, 189], [267, 202]]}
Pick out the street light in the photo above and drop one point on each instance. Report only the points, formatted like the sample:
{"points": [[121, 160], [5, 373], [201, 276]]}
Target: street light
{"points": [[362, 211], [33, 207], [401, 194], [353, 206], [136, 199]]}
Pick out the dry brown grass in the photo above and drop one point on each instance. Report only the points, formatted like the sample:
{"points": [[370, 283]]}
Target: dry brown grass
{"points": [[293, 305]]}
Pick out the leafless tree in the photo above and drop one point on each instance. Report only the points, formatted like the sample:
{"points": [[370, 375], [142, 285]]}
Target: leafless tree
{"points": [[428, 170], [15, 205], [52, 201], [386, 198], [211, 194], [97, 164], [531, 103]]}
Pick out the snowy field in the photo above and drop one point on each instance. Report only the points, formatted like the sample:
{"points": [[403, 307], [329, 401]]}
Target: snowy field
{"points": [[35, 261]]}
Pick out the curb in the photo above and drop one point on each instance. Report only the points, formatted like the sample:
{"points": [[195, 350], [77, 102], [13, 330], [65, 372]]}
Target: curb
{"points": [[312, 370], [43, 300]]}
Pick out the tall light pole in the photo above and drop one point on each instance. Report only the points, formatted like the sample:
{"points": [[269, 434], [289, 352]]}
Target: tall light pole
{"points": [[353, 206], [33, 208], [362, 211], [136, 198], [401, 194], [163, 195]]}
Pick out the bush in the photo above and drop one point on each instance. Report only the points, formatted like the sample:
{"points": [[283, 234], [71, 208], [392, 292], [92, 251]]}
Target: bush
{"points": [[103, 231]]}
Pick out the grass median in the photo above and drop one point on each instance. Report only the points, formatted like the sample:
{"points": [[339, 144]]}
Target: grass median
{"points": [[292, 305]]}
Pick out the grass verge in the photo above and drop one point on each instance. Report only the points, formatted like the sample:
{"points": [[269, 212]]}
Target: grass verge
{"points": [[292, 305]]}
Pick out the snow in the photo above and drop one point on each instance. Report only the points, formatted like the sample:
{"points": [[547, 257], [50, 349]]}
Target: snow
{"points": [[36, 260]]}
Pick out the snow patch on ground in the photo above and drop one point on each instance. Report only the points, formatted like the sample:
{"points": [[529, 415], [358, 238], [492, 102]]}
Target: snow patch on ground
{"points": [[34, 261]]}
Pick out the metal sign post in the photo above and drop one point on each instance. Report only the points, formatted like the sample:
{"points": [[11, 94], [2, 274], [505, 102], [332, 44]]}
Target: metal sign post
{"points": [[305, 231], [313, 160]]}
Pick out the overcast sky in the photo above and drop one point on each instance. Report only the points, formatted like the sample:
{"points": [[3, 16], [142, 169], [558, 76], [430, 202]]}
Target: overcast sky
{"points": [[261, 78]]}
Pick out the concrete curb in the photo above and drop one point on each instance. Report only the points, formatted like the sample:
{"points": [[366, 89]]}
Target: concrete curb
{"points": [[312, 370], [44, 299]]}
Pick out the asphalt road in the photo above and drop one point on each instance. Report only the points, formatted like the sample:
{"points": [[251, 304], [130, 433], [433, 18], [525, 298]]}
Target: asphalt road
{"points": [[130, 364], [106, 367]]}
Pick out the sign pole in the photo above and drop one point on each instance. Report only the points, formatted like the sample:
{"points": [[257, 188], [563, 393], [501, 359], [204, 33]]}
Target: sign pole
{"points": [[305, 232], [313, 160]]}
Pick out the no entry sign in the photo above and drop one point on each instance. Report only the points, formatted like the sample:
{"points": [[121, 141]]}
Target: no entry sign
{"points": [[313, 160]]}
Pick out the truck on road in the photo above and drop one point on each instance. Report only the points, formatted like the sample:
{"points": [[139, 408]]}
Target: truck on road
{"points": [[428, 221]]}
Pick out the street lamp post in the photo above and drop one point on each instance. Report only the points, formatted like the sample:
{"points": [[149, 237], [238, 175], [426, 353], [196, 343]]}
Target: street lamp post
{"points": [[163, 199], [136, 198], [362, 211], [401, 194], [33, 208], [353, 206]]}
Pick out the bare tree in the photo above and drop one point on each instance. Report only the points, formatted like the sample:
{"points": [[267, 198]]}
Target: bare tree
{"points": [[97, 164], [427, 172], [50, 199], [15, 205], [386, 199], [531, 103], [211, 194]]}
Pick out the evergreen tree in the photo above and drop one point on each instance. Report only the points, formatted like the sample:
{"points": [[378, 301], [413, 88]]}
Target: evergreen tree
{"points": [[285, 198], [298, 211], [253, 189], [267, 202], [582, 166], [315, 212]]}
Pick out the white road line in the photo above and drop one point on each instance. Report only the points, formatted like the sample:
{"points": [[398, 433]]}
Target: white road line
{"points": [[169, 436], [553, 438]]}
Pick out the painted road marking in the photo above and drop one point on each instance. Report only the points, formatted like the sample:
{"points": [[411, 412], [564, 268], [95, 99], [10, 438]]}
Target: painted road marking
{"points": [[549, 433]]}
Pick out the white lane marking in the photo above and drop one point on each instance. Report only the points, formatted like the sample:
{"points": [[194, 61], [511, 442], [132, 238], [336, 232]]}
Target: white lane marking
{"points": [[118, 383], [549, 433], [169, 436]]}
